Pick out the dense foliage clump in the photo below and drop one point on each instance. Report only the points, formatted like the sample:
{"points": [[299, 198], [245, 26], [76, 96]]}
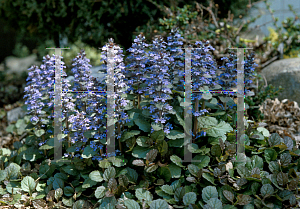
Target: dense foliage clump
{"points": [[147, 169]]}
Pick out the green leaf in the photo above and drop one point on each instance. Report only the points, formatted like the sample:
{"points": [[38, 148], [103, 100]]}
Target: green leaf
{"points": [[109, 173], [158, 135], [266, 190], [193, 169], [175, 170], [104, 163], [58, 183], [143, 194], [207, 122], [151, 155], [274, 167], [243, 171], [204, 161], [100, 192], [69, 191], [189, 198], [159, 204], [282, 178], [285, 195], [177, 160], [129, 134], [175, 134], [228, 195], [243, 199], [144, 141], [257, 161], [88, 183], [28, 184], [193, 148], [21, 126], [132, 175], [11, 128], [131, 204], [58, 193], [151, 168], [88, 152], [12, 171], [176, 143], [264, 131], [208, 193], [140, 152], [220, 130], [216, 150], [285, 159], [70, 169], [288, 142], [162, 147], [274, 139], [3, 175], [165, 173], [118, 161], [68, 202], [167, 189], [215, 203], [270, 154], [143, 124], [39, 132]]}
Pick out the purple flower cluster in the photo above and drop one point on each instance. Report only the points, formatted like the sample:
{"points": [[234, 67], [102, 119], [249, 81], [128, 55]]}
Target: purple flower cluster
{"points": [[159, 83]]}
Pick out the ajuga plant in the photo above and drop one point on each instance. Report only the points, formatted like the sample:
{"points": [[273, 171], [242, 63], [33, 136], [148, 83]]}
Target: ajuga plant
{"points": [[137, 60], [150, 173]]}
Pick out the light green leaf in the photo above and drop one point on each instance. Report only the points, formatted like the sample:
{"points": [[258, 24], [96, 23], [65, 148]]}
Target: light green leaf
{"points": [[129, 134], [143, 194], [159, 204], [215, 203], [131, 204], [264, 131], [109, 173], [96, 176], [177, 160], [175, 170], [100, 192], [167, 189], [28, 184], [140, 152], [189, 198], [58, 193], [39, 132], [175, 134], [208, 193]]}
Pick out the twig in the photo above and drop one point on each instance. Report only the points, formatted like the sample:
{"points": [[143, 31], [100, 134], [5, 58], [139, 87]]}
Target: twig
{"points": [[269, 61]]}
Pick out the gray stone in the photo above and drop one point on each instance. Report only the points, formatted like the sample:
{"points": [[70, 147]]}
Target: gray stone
{"points": [[15, 114], [284, 73], [19, 65]]}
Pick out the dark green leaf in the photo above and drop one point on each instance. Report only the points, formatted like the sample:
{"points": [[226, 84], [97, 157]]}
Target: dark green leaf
{"points": [[109, 173], [266, 190], [274, 139], [282, 178], [215, 203], [243, 199], [189, 198], [270, 154], [285, 159], [151, 155], [208, 193], [229, 195]]}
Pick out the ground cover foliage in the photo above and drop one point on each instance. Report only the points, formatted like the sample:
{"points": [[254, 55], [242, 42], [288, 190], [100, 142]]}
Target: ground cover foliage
{"points": [[148, 171]]}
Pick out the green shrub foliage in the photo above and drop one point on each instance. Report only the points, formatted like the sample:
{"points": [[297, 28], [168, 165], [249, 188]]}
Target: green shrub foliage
{"points": [[149, 171]]}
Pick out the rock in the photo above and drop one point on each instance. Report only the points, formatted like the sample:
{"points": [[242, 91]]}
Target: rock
{"points": [[285, 73], [15, 114], [255, 34], [19, 65]]}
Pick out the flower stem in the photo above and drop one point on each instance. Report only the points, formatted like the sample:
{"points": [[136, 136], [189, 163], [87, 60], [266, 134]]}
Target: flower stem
{"points": [[196, 121]]}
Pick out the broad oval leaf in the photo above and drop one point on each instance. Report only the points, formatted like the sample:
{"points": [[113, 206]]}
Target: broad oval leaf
{"points": [[159, 204], [285, 159], [228, 195], [177, 160], [267, 190], [28, 184], [167, 189], [151, 155], [109, 173], [100, 192], [96, 176], [209, 192], [131, 204], [189, 198], [215, 203]]}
